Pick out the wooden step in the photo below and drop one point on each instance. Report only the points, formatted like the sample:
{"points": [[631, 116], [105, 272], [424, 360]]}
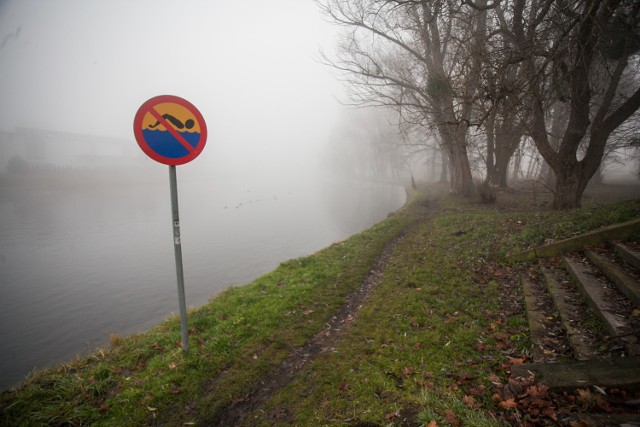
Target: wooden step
{"points": [[582, 347], [623, 372], [625, 283], [604, 234], [535, 318], [595, 295], [632, 257]]}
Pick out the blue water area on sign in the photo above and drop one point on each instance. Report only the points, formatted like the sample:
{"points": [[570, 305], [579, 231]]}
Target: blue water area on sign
{"points": [[163, 143]]}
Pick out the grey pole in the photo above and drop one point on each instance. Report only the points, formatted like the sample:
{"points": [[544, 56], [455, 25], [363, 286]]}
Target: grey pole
{"points": [[177, 246]]}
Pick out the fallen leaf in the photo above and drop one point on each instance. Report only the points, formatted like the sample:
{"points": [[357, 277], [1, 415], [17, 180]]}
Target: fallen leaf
{"points": [[494, 379], [538, 390], [513, 389], [407, 371], [508, 404], [549, 412], [516, 361], [470, 402], [451, 417], [501, 336], [466, 378], [603, 404], [477, 391]]}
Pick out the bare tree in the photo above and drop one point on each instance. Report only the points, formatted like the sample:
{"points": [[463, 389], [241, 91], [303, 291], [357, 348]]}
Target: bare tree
{"points": [[500, 101], [576, 52], [553, 70], [415, 56]]}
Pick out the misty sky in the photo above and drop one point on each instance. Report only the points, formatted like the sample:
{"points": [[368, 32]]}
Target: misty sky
{"points": [[250, 67]]}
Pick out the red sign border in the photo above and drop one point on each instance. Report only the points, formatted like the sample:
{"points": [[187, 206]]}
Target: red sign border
{"points": [[147, 107]]}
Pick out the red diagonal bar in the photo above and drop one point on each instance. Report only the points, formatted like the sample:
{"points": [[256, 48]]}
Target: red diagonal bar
{"points": [[171, 130]]}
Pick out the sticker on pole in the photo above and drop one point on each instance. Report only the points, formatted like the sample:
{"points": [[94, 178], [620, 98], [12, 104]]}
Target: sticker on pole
{"points": [[170, 130]]}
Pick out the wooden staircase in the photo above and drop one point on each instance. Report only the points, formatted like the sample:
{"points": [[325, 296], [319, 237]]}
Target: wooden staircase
{"points": [[582, 298]]}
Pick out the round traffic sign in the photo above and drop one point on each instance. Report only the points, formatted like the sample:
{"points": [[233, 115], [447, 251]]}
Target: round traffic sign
{"points": [[170, 130]]}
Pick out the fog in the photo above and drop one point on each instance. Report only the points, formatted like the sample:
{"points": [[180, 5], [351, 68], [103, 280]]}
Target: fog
{"points": [[250, 67], [85, 232]]}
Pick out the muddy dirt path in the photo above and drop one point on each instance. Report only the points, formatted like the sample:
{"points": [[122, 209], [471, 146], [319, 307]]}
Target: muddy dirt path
{"points": [[322, 341]]}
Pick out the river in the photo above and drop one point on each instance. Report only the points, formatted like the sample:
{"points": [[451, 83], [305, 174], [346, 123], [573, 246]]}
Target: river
{"points": [[76, 265]]}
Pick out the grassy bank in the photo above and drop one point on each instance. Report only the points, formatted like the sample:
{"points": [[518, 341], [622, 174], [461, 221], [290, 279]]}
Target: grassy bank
{"points": [[429, 346]]}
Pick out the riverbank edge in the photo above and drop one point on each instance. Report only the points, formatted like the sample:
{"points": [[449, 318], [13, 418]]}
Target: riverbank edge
{"points": [[162, 338], [244, 332]]}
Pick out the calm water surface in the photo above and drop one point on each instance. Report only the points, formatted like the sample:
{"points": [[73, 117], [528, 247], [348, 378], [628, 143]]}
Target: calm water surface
{"points": [[76, 265]]}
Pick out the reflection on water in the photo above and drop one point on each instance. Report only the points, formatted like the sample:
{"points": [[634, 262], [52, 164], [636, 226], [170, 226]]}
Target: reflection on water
{"points": [[76, 265]]}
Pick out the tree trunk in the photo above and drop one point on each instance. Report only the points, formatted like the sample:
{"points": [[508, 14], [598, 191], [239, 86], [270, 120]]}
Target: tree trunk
{"points": [[502, 142], [464, 184], [572, 176], [570, 185], [453, 136], [517, 163], [506, 146], [444, 171], [490, 161], [460, 178]]}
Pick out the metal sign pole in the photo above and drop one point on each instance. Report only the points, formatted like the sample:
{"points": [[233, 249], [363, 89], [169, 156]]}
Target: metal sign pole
{"points": [[157, 133], [177, 246]]}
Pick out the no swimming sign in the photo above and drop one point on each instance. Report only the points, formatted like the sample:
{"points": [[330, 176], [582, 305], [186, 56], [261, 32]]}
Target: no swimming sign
{"points": [[170, 130]]}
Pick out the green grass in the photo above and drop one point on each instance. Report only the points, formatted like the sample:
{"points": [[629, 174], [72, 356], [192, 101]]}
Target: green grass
{"points": [[245, 331], [414, 347], [426, 346]]}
